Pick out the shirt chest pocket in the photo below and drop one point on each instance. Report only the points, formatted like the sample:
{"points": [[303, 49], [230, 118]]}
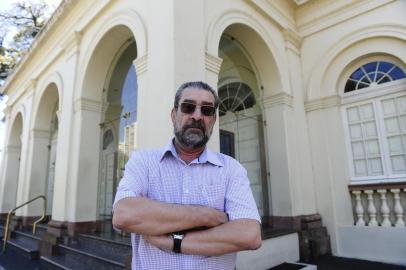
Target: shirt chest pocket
{"points": [[212, 196]]}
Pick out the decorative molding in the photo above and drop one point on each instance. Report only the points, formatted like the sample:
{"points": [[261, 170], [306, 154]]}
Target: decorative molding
{"points": [[65, 4], [40, 134], [300, 2], [213, 63], [293, 41], [343, 11], [323, 103], [84, 104], [7, 110], [278, 99], [71, 45], [12, 149], [141, 64]]}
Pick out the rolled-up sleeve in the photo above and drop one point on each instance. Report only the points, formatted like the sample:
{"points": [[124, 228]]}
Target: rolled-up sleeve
{"points": [[135, 180], [239, 201]]}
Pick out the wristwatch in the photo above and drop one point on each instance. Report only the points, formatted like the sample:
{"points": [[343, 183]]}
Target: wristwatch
{"points": [[177, 241]]}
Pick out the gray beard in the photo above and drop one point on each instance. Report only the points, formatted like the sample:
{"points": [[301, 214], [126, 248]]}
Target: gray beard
{"points": [[191, 139]]}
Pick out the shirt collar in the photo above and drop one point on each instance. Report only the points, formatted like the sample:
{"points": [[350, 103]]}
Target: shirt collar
{"points": [[206, 156]]}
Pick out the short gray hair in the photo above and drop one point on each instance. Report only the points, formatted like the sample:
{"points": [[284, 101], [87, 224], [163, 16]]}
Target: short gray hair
{"points": [[198, 85]]}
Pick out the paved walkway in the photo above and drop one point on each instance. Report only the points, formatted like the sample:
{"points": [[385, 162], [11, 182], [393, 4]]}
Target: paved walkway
{"points": [[338, 263]]}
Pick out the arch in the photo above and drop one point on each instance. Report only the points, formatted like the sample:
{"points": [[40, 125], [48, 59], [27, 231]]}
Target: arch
{"points": [[53, 78], [270, 36], [43, 144], [11, 163], [20, 111], [353, 46], [124, 18]]}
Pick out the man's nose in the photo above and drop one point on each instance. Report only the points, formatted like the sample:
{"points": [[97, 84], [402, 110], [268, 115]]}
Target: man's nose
{"points": [[197, 114]]}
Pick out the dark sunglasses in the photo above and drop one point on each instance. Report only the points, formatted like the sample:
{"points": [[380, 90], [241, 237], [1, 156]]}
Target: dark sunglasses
{"points": [[189, 108]]}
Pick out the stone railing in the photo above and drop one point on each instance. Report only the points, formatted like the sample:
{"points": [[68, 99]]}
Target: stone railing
{"points": [[379, 204]]}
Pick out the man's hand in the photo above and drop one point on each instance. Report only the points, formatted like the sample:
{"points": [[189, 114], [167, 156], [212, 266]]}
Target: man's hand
{"points": [[148, 217]]}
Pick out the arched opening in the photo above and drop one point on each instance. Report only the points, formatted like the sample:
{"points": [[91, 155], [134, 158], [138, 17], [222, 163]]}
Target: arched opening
{"points": [[118, 128], [241, 91], [44, 139], [110, 85], [12, 164]]}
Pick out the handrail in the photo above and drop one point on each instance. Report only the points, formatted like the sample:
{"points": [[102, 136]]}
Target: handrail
{"points": [[11, 212]]}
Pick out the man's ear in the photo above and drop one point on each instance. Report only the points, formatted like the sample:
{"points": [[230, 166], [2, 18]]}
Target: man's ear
{"points": [[173, 114]]}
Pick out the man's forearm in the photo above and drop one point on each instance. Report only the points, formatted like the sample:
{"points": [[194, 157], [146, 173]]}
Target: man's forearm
{"points": [[233, 236], [145, 216]]}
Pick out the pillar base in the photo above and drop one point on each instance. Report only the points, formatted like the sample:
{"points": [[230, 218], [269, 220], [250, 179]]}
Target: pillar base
{"points": [[314, 240]]}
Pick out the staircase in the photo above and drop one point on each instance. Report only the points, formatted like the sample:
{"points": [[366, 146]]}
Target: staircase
{"points": [[85, 251]]}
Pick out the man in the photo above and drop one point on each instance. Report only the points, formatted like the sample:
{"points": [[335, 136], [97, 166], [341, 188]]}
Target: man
{"points": [[186, 206]]}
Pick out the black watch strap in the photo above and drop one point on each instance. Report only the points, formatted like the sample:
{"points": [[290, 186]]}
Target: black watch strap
{"points": [[177, 241]]}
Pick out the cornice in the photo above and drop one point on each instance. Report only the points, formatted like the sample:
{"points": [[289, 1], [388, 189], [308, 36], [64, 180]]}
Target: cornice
{"points": [[41, 35], [213, 63], [273, 11], [84, 104], [27, 90], [278, 99], [327, 18], [141, 64], [323, 103]]}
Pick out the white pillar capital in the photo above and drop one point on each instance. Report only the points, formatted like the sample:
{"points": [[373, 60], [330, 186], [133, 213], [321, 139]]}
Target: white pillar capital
{"points": [[279, 99], [141, 64], [213, 63]]}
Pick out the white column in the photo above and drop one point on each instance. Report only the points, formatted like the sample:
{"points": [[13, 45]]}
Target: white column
{"points": [[371, 208], [384, 209], [24, 176], [64, 199], [213, 66], [398, 209], [359, 209], [278, 108]]}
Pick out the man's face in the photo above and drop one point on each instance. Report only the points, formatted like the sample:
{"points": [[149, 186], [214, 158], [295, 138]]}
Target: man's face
{"points": [[193, 129]]}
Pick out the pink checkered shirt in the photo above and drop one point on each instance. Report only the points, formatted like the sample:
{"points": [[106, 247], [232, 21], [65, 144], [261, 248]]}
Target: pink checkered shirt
{"points": [[213, 180]]}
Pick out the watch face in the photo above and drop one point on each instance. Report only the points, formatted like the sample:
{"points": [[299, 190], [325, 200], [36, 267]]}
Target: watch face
{"points": [[177, 236]]}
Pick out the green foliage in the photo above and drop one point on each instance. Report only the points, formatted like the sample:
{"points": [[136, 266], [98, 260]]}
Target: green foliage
{"points": [[18, 28]]}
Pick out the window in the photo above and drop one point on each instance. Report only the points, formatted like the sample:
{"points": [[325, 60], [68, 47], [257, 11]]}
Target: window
{"points": [[376, 127], [372, 74], [227, 143], [235, 97]]}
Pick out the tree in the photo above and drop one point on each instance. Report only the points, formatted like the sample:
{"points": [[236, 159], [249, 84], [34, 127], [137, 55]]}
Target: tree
{"points": [[19, 27]]}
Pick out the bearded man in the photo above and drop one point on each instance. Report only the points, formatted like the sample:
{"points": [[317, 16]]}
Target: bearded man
{"points": [[186, 206]]}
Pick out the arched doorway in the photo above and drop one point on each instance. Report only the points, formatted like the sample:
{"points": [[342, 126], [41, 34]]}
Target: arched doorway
{"points": [[118, 127], [44, 140], [241, 122], [12, 165]]}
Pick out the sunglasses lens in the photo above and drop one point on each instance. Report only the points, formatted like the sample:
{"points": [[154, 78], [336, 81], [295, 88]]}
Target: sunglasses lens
{"points": [[188, 108], [207, 110]]}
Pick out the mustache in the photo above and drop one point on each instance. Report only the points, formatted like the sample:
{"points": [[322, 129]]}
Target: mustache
{"points": [[195, 124]]}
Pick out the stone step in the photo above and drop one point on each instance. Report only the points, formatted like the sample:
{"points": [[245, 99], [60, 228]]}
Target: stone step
{"points": [[113, 250], [27, 247], [72, 258]]}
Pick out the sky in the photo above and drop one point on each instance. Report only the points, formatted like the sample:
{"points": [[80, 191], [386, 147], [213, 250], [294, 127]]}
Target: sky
{"points": [[4, 5]]}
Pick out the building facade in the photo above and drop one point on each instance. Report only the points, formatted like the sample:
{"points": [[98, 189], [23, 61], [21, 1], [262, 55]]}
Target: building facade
{"points": [[313, 104]]}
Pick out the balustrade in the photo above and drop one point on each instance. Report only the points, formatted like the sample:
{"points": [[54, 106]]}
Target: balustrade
{"points": [[379, 205]]}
